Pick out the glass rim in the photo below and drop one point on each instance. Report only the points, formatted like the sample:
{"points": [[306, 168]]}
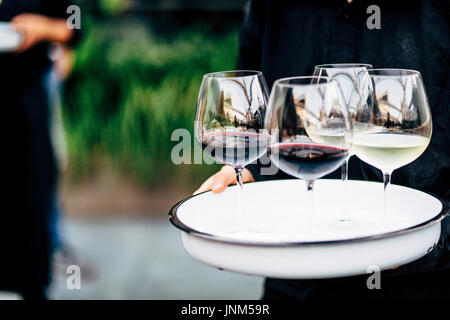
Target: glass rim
{"points": [[223, 74], [280, 82], [392, 72], [336, 65]]}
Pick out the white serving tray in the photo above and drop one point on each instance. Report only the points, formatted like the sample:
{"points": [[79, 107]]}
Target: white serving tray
{"points": [[10, 39], [282, 241]]}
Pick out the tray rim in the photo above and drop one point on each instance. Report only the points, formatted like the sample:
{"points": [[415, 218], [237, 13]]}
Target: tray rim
{"points": [[173, 218]]}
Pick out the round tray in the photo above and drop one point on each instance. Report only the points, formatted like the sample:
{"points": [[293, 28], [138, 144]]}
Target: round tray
{"points": [[282, 241]]}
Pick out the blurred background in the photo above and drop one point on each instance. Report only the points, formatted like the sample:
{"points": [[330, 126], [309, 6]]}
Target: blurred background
{"points": [[131, 81]]}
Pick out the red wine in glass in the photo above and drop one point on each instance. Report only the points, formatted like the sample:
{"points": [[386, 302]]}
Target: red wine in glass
{"points": [[235, 148], [308, 161]]}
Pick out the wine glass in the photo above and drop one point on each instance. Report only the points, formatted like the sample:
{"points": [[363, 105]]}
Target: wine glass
{"points": [[229, 121], [303, 111], [392, 125], [346, 75]]}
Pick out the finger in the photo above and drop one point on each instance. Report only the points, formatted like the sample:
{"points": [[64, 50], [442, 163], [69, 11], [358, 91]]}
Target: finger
{"points": [[20, 23], [17, 25], [16, 20], [222, 179], [26, 43], [206, 186], [22, 17]]}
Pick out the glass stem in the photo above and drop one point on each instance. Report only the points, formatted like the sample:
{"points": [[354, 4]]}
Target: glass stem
{"points": [[344, 171], [310, 200], [242, 223], [386, 184], [344, 178]]}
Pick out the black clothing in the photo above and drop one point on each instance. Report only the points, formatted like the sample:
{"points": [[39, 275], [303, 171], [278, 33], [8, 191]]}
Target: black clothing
{"points": [[288, 38], [29, 171], [418, 286]]}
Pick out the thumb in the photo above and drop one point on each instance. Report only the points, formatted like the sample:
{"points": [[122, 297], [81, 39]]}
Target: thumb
{"points": [[222, 179]]}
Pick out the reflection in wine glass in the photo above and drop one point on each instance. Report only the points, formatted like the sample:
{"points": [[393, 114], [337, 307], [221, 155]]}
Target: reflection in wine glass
{"points": [[393, 125], [229, 121]]}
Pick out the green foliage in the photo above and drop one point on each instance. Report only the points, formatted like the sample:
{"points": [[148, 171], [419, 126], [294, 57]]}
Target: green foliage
{"points": [[130, 90], [113, 7]]}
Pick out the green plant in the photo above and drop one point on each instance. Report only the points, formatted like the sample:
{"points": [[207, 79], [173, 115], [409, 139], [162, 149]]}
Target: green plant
{"points": [[129, 90]]}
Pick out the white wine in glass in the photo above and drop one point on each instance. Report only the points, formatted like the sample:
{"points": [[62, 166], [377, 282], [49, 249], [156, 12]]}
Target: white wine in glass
{"points": [[389, 151], [392, 125]]}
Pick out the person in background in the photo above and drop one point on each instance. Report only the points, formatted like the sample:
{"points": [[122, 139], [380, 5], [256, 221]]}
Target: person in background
{"points": [[288, 38], [29, 172]]}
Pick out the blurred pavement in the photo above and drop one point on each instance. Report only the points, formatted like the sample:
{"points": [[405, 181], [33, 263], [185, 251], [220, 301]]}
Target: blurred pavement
{"points": [[142, 259]]}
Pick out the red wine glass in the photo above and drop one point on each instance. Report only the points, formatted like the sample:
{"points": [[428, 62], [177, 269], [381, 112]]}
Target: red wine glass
{"points": [[310, 129], [229, 121]]}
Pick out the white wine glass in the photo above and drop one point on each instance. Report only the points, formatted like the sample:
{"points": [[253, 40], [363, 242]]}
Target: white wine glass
{"points": [[392, 125], [346, 75]]}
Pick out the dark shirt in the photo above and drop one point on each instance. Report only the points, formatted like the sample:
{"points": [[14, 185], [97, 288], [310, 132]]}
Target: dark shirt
{"points": [[288, 38]]}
